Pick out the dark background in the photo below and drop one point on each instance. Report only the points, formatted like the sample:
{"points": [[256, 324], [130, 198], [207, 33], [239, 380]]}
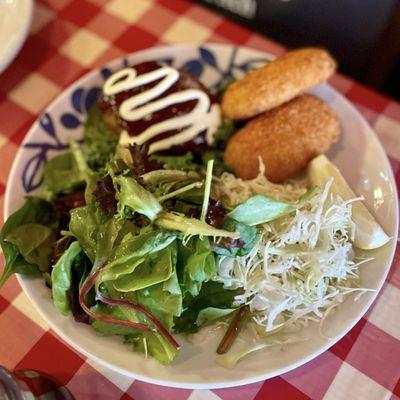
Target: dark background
{"points": [[363, 35]]}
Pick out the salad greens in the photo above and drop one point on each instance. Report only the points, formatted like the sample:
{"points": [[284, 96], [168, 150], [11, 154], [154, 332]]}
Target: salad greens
{"points": [[146, 247], [212, 302], [61, 175], [249, 236], [148, 271], [260, 209], [137, 258], [99, 142], [134, 198], [197, 264], [24, 252], [62, 278], [183, 162]]}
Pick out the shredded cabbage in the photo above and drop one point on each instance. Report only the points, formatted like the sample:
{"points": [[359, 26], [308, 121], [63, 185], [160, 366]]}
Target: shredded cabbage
{"points": [[302, 265], [232, 190]]}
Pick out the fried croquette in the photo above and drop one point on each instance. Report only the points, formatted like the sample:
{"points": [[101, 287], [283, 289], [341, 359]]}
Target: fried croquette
{"points": [[286, 138], [277, 82]]}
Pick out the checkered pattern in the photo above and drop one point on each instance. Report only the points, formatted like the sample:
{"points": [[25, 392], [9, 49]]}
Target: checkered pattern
{"points": [[69, 37]]}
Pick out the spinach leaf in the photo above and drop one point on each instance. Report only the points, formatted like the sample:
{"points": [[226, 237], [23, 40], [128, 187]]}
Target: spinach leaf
{"points": [[196, 264], [34, 211], [61, 278], [34, 242], [61, 174], [249, 236], [260, 209], [99, 143], [132, 197], [156, 267], [211, 296]]}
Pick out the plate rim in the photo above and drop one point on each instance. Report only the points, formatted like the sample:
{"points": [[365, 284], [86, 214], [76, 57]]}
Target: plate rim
{"points": [[24, 282]]}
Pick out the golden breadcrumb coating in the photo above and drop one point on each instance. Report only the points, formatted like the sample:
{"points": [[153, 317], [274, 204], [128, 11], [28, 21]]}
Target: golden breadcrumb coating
{"points": [[286, 138], [277, 82]]}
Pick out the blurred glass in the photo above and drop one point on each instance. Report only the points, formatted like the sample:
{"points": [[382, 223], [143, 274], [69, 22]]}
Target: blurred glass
{"points": [[25, 384]]}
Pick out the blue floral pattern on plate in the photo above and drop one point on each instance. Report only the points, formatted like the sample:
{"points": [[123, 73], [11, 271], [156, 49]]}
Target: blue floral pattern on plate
{"points": [[82, 98]]}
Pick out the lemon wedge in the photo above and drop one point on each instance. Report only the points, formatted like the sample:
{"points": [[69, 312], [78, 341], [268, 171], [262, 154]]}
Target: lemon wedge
{"points": [[369, 234]]}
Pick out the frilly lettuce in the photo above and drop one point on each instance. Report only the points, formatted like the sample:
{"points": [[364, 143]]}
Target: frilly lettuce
{"points": [[134, 198]]}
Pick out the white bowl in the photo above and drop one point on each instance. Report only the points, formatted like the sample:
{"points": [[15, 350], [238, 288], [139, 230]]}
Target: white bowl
{"points": [[359, 155]]}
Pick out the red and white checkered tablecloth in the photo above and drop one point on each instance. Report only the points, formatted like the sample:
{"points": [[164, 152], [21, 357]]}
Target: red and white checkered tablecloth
{"points": [[69, 37]]}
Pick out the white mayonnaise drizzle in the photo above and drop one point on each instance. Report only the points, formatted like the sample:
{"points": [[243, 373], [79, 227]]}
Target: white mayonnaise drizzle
{"points": [[141, 105]]}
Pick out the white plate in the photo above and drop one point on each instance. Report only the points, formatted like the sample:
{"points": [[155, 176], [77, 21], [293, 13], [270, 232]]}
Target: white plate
{"points": [[15, 19], [359, 155]]}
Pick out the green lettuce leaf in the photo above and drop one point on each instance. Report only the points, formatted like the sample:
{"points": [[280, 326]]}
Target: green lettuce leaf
{"points": [[61, 174], [34, 242], [197, 263], [168, 183], [90, 177], [34, 211], [119, 312], [97, 232], [155, 268], [61, 278], [249, 236], [84, 225], [99, 143], [190, 226], [260, 209], [153, 344], [183, 162], [163, 300], [132, 251], [132, 198], [153, 179], [213, 300]]}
